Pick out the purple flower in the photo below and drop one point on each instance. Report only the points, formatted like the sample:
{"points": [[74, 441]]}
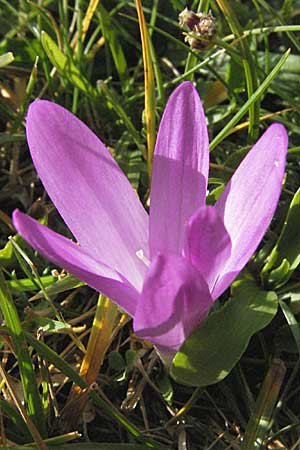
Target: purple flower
{"points": [[166, 269]]}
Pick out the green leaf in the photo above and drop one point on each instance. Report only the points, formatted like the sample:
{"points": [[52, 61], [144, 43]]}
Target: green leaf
{"points": [[287, 248], [27, 285], [210, 353], [130, 161], [6, 59], [116, 361], [59, 286], [27, 373], [281, 274], [165, 386], [48, 325], [111, 35], [213, 196], [7, 255], [65, 66], [131, 358]]}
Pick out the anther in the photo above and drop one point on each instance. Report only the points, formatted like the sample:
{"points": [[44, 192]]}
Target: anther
{"points": [[140, 254]]}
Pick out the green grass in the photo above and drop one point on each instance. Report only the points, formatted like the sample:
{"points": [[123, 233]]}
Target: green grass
{"points": [[93, 65]]}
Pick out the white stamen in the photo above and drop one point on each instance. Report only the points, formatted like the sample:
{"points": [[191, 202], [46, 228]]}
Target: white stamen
{"points": [[276, 163], [140, 254]]}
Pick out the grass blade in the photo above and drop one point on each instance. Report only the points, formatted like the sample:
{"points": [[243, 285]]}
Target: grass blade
{"points": [[66, 67], [111, 35], [248, 64], [28, 376], [260, 420], [256, 95]]}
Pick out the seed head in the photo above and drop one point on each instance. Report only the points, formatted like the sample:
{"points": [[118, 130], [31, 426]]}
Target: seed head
{"points": [[202, 28]]}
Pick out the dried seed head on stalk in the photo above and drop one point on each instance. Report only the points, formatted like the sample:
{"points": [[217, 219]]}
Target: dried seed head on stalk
{"points": [[202, 28], [188, 18]]}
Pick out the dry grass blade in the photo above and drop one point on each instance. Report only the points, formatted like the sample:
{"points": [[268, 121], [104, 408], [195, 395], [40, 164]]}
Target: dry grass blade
{"points": [[85, 23], [149, 86], [102, 333], [32, 428]]}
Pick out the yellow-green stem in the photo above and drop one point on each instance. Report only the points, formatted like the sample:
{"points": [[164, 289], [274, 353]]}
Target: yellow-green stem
{"points": [[149, 86]]}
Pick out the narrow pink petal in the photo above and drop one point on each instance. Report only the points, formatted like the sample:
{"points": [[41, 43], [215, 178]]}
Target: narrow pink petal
{"points": [[249, 200], [207, 243], [88, 188], [76, 260], [174, 301], [180, 169]]}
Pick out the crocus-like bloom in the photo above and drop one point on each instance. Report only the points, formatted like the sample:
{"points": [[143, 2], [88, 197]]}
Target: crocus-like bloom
{"points": [[166, 269]]}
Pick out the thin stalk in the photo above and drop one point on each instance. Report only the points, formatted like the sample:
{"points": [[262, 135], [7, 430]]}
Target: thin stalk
{"points": [[261, 30], [158, 78], [248, 64], [149, 87], [88, 17], [186, 407], [191, 60]]}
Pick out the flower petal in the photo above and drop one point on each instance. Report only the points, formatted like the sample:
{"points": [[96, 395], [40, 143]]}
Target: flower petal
{"points": [[249, 200], [70, 256], [180, 169], [88, 188], [174, 301], [207, 243]]}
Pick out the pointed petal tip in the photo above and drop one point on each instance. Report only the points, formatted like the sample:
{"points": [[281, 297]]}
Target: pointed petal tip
{"points": [[180, 168], [83, 264], [250, 199], [15, 218], [36, 104], [36, 109], [278, 132], [40, 106], [276, 140], [186, 88], [19, 223], [279, 127], [186, 85]]}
